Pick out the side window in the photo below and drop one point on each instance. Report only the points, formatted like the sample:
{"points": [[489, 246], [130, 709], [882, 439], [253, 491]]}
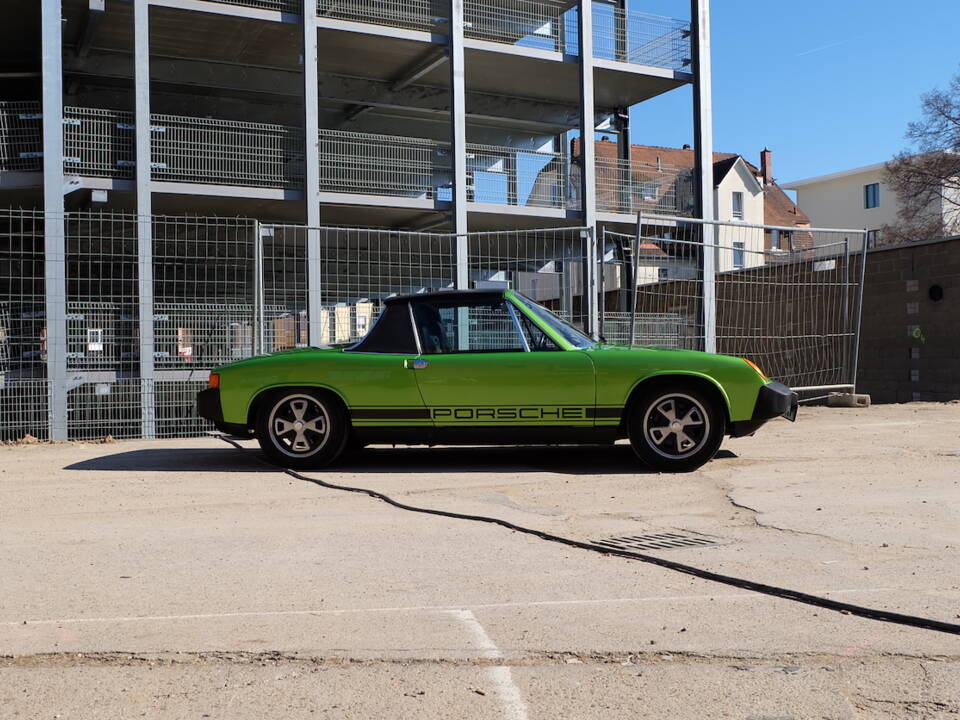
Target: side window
{"points": [[537, 339], [466, 327]]}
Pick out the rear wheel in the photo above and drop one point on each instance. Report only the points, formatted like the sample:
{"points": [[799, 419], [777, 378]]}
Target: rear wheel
{"points": [[676, 427], [301, 429]]}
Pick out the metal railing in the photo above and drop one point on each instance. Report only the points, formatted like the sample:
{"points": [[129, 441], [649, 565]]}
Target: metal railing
{"points": [[289, 6], [641, 38], [100, 143], [627, 36], [397, 166], [625, 186]]}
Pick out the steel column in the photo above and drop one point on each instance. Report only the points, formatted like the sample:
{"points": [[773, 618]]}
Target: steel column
{"points": [[588, 167], [141, 81], [621, 121], [458, 141], [53, 220], [311, 191], [703, 143]]}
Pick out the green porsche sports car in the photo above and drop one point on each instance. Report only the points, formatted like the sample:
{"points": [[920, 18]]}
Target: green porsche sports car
{"points": [[489, 367]]}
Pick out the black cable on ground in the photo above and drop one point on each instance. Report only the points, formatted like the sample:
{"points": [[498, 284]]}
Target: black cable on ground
{"points": [[773, 590]]}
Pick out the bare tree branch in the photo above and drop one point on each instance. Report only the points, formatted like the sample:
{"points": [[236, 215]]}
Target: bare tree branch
{"points": [[926, 177]]}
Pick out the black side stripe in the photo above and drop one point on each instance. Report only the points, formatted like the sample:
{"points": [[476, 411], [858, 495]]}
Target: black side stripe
{"points": [[391, 414], [604, 412], [424, 413]]}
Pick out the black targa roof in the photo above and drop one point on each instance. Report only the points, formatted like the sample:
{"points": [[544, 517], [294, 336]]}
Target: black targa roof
{"points": [[393, 331]]}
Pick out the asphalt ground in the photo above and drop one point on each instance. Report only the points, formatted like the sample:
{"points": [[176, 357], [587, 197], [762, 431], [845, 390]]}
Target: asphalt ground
{"points": [[186, 579]]}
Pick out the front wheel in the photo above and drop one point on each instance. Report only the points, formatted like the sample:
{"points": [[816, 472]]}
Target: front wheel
{"points": [[301, 429], [676, 427]]}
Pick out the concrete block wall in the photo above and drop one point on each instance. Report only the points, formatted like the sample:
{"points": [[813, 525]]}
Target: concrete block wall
{"points": [[910, 341]]}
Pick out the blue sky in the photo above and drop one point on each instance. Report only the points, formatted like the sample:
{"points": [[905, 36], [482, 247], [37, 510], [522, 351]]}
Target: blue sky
{"points": [[826, 84]]}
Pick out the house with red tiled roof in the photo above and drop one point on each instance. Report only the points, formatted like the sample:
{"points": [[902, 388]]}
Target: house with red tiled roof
{"points": [[659, 181]]}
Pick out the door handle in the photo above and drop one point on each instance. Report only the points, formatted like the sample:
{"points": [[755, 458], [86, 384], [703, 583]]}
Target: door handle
{"points": [[415, 364]]}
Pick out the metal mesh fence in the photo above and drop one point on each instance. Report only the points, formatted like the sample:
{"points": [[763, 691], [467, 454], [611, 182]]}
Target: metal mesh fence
{"points": [[225, 289], [21, 136], [357, 270], [547, 266], [23, 383], [790, 308]]}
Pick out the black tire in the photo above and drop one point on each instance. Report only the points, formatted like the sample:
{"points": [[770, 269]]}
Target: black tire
{"points": [[316, 442], [680, 446]]}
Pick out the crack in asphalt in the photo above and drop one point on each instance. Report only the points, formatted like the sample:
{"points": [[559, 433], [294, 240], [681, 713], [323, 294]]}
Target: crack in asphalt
{"points": [[784, 662], [770, 526]]}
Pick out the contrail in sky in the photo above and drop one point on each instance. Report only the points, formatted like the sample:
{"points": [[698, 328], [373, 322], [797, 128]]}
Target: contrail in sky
{"points": [[827, 47]]}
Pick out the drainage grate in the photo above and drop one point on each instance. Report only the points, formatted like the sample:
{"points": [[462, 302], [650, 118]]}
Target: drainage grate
{"points": [[659, 541]]}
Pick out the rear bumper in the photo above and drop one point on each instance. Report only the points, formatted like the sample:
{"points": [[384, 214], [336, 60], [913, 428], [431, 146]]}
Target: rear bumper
{"points": [[208, 406], [774, 400]]}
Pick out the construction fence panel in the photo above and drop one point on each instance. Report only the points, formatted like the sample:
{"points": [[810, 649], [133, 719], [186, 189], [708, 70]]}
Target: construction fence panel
{"points": [[548, 266], [788, 299], [357, 270]]}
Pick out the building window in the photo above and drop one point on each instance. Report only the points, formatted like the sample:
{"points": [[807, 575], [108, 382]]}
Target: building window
{"points": [[738, 255], [871, 195], [738, 206], [649, 190]]}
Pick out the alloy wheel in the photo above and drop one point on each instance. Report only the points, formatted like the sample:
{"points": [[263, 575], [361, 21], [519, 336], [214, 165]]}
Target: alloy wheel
{"points": [[676, 425], [299, 425]]}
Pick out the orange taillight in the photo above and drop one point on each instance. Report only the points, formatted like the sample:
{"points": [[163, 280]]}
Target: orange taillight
{"points": [[214, 380]]}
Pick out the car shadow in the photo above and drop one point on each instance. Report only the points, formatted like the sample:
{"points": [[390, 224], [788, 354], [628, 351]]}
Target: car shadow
{"points": [[568, 460], [213, 459]]}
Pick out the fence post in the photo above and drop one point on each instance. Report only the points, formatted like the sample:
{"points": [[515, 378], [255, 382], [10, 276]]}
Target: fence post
{"points": [[634, 269], [856, 336], [257, 339], [590, 285]]}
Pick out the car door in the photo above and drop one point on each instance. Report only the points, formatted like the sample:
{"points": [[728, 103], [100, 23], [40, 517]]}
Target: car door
{"points": [[476, 369]]}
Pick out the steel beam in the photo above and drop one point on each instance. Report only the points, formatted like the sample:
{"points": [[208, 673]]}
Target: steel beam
{"points": [[703, 154], [285, 86], [311, 189], [53, 220], [458, 140], [429, 62], [94, 16], [588, 167], [141, 84]]}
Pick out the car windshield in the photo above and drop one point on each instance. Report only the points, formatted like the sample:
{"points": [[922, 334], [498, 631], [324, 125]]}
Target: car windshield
{"points": [[567, 331]]}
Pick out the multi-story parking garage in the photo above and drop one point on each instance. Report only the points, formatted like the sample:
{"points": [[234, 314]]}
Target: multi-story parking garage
{"points": [[371, 109], [120, 118]]}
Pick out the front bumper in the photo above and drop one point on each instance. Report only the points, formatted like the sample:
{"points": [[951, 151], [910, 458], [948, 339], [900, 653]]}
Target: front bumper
{"points": [[774, 400]]}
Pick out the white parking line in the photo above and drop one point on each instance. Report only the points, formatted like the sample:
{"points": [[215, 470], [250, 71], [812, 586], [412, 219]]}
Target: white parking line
{"points": [[514, 708], [429, 608]]}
